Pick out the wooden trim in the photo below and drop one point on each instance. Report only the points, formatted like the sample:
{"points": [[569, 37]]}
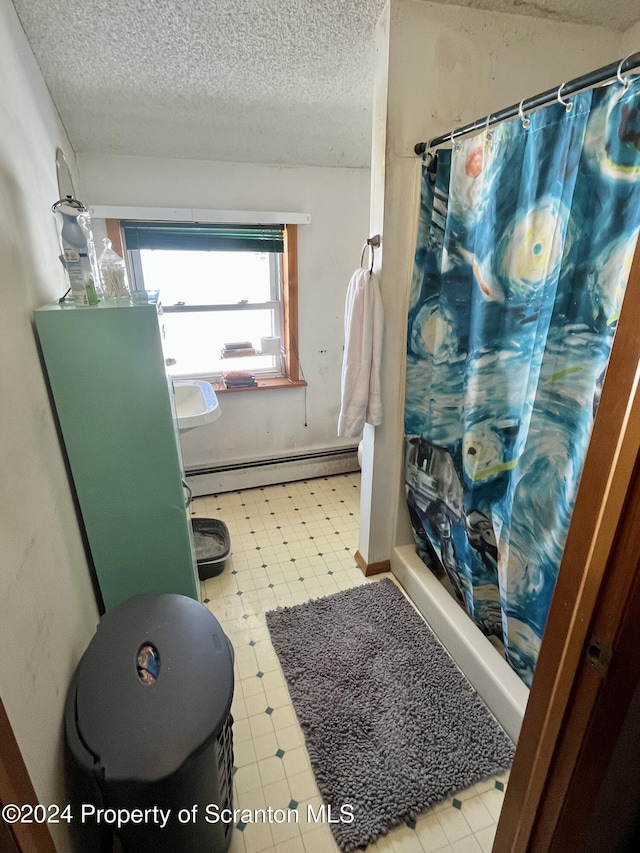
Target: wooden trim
{"points": [[529, 817], [16, 787], [115, 235], [369, 569], [599, 707], [290, 301], [7, 841]]}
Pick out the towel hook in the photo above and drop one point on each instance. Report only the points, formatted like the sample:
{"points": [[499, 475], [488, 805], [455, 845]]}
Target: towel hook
{"points": [[526, 122], [372, 244], [568, 105], [626, 81]]}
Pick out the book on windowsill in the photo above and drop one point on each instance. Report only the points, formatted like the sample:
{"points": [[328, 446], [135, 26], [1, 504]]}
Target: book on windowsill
{"points": [[239, 353], [237, 346], [239, 379]]}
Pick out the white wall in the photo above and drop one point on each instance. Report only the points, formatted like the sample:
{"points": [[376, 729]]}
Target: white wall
{"points": [[47, 608], [447, 66], [630, 40], [267, 423]]}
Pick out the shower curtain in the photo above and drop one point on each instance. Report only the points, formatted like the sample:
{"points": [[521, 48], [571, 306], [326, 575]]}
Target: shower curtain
{"points": [[525, 243]]}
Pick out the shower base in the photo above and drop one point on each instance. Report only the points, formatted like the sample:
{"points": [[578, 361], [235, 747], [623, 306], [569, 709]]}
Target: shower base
{"points": [[498, 685], [495, 642]]}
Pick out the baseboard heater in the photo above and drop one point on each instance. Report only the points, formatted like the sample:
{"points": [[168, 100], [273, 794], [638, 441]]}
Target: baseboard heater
{"points": [[252, 473]]}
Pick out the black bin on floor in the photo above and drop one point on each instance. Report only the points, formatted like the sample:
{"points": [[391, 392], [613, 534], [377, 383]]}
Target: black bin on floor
{"points": [[148, 740], [212, 544]]}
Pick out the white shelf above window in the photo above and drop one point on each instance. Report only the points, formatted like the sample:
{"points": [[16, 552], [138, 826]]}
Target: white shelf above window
{"points": [[182, 214]]}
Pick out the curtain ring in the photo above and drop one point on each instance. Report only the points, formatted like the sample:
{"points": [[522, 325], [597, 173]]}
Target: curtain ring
{"points": [[526, 122], [568, 105], [426, 155], [626, 81]]}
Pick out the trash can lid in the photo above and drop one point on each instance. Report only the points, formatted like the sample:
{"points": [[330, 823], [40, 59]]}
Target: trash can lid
{"points": [[154, 684]]}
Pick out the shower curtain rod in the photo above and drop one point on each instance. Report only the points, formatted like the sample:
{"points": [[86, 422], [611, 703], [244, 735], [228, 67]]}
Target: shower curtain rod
{"points": [[587, 81]]}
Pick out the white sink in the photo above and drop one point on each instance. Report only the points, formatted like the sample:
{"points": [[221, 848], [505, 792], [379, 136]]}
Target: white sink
{"points": [[196, 403]]}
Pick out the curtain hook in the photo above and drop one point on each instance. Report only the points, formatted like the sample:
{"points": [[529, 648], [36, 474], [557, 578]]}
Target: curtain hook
{"points": [[489, 133], [526, 122], [427, 152], [626, 81], [568, 105]]}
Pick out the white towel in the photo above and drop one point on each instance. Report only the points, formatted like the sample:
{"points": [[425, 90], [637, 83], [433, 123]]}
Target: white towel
{"points": [[363, 322]]}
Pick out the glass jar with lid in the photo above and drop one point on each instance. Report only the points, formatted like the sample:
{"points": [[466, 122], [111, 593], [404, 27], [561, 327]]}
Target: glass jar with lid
{"points": [[113, 273]]}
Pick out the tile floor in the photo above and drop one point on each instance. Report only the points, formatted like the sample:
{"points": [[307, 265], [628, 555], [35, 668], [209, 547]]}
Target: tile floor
{"points": [[290, 543]]}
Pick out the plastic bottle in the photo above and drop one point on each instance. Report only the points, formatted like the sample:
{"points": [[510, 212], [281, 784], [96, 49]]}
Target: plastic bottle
{"points": [[85, 223], [113, 273], [76, 245]]}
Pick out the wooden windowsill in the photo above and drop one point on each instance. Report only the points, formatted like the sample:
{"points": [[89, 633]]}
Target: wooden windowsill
{"points": [[263, 385]]}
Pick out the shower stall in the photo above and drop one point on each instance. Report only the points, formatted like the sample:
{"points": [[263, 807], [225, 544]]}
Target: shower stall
{"points": [[384, 454], [526, 237], [439, 67]]}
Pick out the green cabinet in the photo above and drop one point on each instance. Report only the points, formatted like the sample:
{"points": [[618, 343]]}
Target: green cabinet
{"points": [[114, 404]]}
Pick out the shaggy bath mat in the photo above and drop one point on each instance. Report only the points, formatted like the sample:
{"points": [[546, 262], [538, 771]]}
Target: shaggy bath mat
{"points": [[391, 724]]}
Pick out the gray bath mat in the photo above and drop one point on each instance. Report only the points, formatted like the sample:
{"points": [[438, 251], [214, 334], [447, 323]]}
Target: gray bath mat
{"points": [[391, 724]]}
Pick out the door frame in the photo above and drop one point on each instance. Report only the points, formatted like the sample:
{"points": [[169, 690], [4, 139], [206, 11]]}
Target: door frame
{"points": [[16, 787], [594, 593]]}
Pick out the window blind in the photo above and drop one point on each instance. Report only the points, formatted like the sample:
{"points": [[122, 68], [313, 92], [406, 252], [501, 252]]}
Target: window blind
{"points": [[203, 237]]}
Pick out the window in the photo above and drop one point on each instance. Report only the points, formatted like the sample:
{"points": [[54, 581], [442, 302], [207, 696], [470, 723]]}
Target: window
{"points": [[221, 286]]}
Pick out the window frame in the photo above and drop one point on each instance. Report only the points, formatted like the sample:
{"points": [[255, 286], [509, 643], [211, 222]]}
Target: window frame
{"points": [[291, 373]]}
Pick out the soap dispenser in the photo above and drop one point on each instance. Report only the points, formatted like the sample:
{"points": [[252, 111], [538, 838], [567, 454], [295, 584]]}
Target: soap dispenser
{"points": [[77, 250]]}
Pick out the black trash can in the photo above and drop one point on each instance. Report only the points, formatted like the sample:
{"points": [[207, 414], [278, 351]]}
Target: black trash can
{"points": [[148, 731]]}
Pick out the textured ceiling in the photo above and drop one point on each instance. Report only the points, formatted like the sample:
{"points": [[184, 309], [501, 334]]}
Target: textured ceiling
{"points": [[271, 81]]}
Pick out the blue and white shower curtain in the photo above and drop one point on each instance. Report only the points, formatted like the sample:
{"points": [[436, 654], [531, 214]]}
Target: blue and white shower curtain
{"points": [[525, 243]]}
